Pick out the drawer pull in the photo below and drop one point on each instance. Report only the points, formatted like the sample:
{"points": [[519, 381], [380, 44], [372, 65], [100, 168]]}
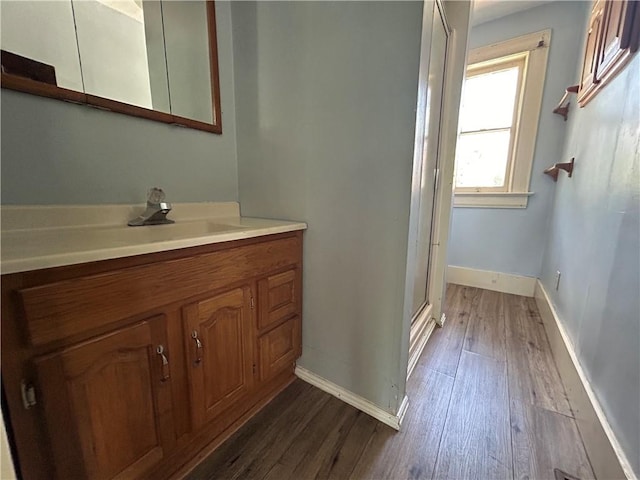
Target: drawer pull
{"points": [[165, 363], [198, 359]]}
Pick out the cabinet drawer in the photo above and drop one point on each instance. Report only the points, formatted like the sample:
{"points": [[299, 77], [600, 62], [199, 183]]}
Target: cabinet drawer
{"points": [[59, 310], [279, 348], [279, 298]]}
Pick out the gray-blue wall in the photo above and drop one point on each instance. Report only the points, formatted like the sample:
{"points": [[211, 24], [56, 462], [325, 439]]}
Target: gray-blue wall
{"points": [[60, 153], [594, 240], [512, 240], [587, 227], [326, 96]]}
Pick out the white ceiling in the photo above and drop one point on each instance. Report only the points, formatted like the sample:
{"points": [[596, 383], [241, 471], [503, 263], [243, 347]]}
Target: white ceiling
{"points": [[487, 10]]}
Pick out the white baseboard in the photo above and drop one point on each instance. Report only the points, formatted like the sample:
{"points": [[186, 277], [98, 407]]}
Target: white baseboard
{"points": [[362, 404], [402, 411], [499, 282], [607, 457], [421, 330]]}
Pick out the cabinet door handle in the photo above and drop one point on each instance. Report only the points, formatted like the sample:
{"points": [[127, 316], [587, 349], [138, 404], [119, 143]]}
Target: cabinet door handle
{"points": [[165, 363], [198, 359]]}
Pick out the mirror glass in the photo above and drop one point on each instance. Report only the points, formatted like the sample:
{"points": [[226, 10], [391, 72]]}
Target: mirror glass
{"points": [[157, 56], [113, 50], [53, 49], [187, 51]]}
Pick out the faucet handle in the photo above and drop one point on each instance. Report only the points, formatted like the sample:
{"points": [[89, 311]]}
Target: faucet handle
{"points": [[155, 195]]}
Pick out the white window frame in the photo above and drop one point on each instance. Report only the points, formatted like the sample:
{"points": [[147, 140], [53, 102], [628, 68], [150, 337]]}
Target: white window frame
{"points": [[535, 48]]}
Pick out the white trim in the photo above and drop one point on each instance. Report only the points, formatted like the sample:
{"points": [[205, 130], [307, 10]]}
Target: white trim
{"points": [[458, 16], [496, 281], [352, 399], [524, 43], [491, 199], [402, 411], [603, 448], [421, 330], [536, 72], [536, 45]]}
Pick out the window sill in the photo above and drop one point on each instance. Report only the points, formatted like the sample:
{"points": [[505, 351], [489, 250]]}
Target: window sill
{"points": [[491, 199]]}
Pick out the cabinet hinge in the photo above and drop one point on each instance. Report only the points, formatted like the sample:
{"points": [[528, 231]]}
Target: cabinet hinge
{"points": [[28, 392], [254, 368], [253, 304]]}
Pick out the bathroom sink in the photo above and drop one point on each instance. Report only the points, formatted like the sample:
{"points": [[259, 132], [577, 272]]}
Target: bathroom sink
{"points": [[173, 231], [62, 240], [37, 237]]}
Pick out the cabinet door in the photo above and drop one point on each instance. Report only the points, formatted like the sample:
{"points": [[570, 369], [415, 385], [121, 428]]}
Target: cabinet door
{"points": [[107, 403], [219, 337], [588, 79], [616, 34]]}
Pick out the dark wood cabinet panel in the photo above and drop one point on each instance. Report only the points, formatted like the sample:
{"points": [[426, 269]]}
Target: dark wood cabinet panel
{"points": [[279, 348], [83, 340], [588, 79], [611, 41], [106, 404], [59, 309], [220, 346], [616, 33], [278, 297]]}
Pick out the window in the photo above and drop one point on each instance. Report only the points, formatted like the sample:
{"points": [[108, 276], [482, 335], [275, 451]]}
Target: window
{"points": [[498, 122]]}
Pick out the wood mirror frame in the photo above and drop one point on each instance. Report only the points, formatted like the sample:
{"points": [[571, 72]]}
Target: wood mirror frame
{"points": [[23, 84]]}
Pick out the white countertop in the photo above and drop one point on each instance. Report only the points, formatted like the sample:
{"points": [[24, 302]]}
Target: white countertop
{"points": [[36, 237]]}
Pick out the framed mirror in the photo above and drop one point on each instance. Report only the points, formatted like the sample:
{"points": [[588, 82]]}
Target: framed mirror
{"points": [[156, 59]]}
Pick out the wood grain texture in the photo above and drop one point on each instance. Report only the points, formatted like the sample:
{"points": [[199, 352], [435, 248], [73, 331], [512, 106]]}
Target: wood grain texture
{"points": [[278, 349], [485, 332], [410, 453], [544, 440], [278, 297], [253, 450], [61, 309], [220, 362], [202, 442], [351, 447], [105, 398], [445, 345], [181, 440], [306, 434], [316, 445], [533, 376], [476, 442]]}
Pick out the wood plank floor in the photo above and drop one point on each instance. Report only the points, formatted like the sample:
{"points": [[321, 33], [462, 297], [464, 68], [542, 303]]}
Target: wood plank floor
{"points": [[486, 402]]}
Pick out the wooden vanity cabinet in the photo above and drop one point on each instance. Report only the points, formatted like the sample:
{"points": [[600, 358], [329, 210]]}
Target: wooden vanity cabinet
{"points": [[138, 367]]}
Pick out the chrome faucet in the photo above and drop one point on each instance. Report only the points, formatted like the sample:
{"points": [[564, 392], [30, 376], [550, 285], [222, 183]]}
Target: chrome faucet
{"points": [[156, 212]]}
